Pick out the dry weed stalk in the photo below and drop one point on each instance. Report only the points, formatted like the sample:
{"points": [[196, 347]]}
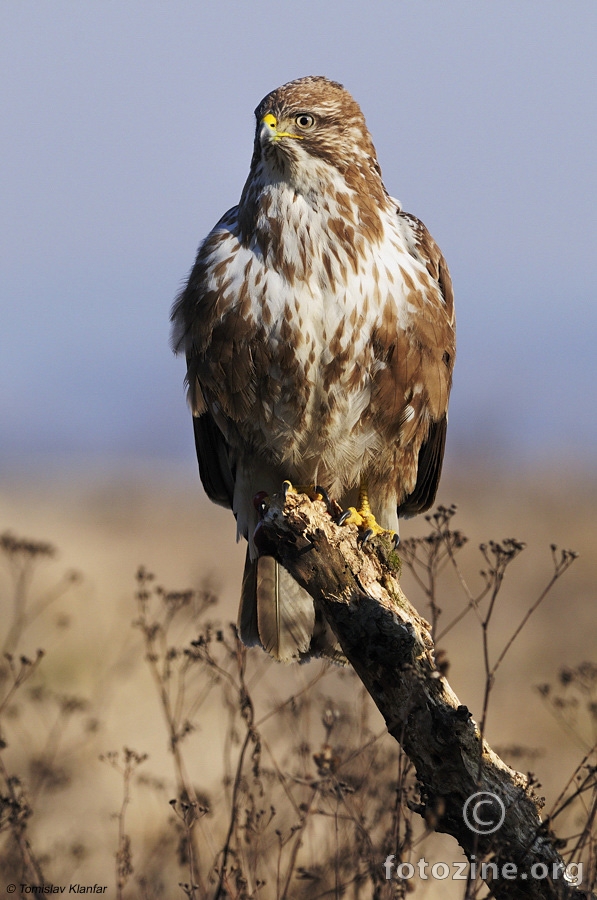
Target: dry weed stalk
{"points": [[21, 556], [573, 703], [125, 766]]}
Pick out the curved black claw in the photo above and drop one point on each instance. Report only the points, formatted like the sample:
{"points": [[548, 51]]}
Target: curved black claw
{"points": [[342, 518], [364, 537], [321, 490], [326, 497], [396, 540], [286, 486]]}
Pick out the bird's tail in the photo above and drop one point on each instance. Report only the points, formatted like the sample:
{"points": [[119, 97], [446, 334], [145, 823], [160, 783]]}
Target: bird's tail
{"points": [[276, 613]]}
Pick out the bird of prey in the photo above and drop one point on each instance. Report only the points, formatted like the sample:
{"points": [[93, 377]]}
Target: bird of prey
{"points": [[318, 328]]}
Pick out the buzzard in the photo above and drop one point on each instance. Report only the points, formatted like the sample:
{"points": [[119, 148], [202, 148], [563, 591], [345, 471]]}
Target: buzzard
{"points": [[318, 328]]}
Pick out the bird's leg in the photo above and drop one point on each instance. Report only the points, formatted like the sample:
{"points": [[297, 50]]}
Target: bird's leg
{"points": [[363, 517]]}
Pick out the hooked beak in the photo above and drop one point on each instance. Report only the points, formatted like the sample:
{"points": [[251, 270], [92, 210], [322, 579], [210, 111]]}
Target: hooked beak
{"points": [[270, 127]]}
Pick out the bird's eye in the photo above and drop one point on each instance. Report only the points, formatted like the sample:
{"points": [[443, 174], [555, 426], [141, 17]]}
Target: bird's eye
{"points": [[305, 121]]}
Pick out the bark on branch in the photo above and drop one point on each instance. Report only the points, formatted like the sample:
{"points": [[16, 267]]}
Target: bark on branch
{"points": [[390, 647]]}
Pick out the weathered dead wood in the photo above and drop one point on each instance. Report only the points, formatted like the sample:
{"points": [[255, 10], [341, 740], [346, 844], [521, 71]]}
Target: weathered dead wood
{"points": [[390, 647]]}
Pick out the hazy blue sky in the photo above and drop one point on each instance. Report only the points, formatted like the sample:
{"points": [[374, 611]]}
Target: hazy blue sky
{"points": [[126, 132]]}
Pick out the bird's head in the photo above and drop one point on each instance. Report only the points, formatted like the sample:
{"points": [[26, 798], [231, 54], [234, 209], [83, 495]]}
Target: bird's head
{"points": [[308, 125]]}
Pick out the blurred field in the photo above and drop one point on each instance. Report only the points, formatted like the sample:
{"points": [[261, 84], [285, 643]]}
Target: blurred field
{"points": [[106, 525]]}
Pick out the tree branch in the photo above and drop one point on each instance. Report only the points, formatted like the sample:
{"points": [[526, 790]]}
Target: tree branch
{"points": [[390, 647]]}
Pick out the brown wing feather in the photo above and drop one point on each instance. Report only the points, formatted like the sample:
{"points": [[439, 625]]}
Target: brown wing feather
{"points": [[431, 453], [429, 469], [219, 352], [425, 249], [215, 469]]}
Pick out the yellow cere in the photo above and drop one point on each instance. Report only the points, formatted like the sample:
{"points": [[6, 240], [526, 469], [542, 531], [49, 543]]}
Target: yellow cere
{"points": [[271, 121]]}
